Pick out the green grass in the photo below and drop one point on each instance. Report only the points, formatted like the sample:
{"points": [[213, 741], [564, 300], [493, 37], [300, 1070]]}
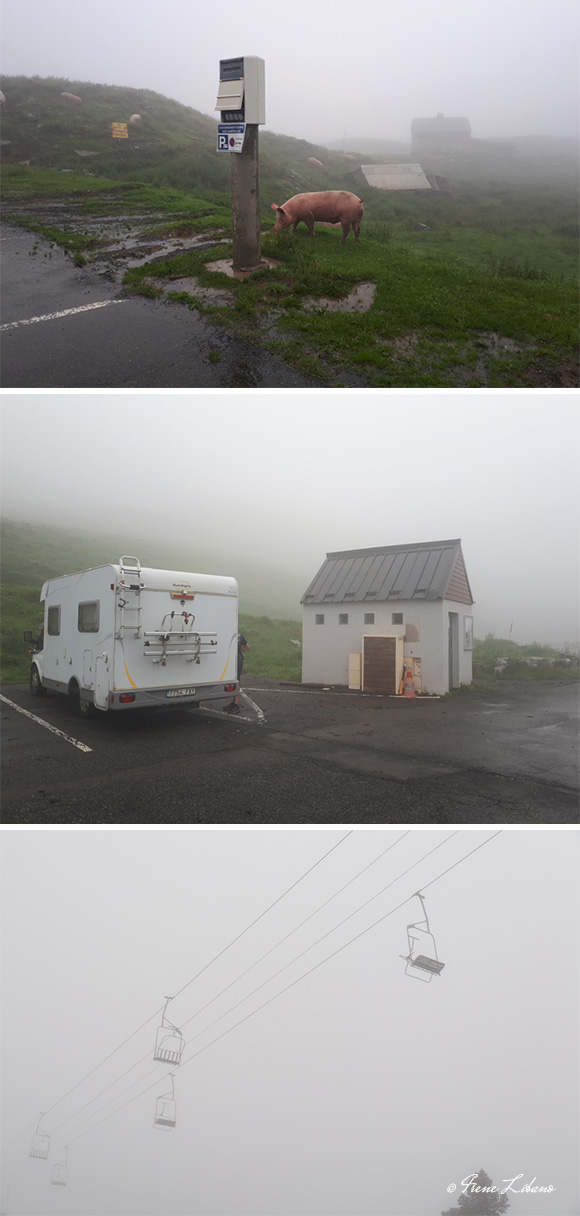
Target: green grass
{"points": [[20, 609], [271, 650], [488, 650], [272, 653], [432, 323], [496, 258]]}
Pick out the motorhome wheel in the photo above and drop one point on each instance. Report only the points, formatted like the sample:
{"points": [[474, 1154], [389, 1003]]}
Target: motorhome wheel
{"points": [[36, 686]]}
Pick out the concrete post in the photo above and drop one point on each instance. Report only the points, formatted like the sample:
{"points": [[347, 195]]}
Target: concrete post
{"points": [[246, 203]]}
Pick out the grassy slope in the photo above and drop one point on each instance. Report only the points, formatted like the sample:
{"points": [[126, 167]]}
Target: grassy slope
{"points": [[32, 553], [498, 257]]}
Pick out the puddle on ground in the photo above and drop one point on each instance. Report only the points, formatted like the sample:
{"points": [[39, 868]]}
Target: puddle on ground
{"points": [[359, 300], [224, 266], [209, 295]]}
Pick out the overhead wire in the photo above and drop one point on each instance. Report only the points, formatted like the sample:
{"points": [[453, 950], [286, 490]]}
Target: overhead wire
{"points": [[232, 1008], [293, 983], [230, 985], [187, 985]]}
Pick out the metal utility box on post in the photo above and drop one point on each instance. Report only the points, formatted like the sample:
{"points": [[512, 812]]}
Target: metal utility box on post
{"points": [[242, 106]]}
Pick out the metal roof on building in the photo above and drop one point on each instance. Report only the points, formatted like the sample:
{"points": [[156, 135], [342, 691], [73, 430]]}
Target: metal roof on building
{"points": [[392, 572], [441, 123], [396, 177]]}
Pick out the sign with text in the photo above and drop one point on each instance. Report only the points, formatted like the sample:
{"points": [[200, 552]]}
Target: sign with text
{"points": [[120, 130], [231, 136]]}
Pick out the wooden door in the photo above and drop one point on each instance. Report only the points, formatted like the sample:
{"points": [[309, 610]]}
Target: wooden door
{"points": [[380, 665]]}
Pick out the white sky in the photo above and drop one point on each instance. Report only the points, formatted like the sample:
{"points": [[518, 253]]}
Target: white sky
{"points": [[282, 479], [511, 68], [360, 1091]]}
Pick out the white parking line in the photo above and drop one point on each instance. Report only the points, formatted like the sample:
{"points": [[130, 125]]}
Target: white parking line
{"points": [[68, 738], [53, 316], [256, 708]]}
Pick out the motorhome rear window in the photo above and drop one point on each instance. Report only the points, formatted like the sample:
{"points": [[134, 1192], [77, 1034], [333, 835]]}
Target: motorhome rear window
{"points": [[89, 617], [53, 620]]}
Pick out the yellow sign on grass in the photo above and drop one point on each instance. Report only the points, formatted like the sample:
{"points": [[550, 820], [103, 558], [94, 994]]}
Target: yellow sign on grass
{"points": [[120, 130]]}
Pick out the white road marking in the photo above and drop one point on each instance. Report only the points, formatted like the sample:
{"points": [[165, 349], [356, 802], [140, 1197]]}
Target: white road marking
{"points": [[311, 692], [256, 708], [68, 738], [53, 316]]}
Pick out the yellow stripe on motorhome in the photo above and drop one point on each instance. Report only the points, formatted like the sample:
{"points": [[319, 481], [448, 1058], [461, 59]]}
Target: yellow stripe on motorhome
{"points": [[132, 682], [224, 671]]}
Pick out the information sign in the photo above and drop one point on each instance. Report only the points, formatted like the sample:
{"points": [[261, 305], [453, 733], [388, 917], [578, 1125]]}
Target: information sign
{"points": [[231, 136]]}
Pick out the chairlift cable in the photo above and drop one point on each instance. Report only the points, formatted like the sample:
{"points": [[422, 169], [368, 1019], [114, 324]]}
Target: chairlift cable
{"points": [[457, 863], [269, 980], [191, 981], [289, 986], [262, 914], [295, 930], [239, 977], [238, 1003], [321, 939]]}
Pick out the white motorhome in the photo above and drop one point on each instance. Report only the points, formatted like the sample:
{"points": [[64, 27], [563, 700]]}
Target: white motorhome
{"points": [[123, 636]]}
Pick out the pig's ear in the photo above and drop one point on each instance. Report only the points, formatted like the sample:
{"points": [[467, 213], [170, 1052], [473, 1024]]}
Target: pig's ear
{"points": [[274, 207]]}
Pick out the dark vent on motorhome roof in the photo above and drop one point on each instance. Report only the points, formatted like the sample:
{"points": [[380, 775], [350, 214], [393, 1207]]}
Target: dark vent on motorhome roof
{"points": [[329, 595], [370, 595], [349, 595]]}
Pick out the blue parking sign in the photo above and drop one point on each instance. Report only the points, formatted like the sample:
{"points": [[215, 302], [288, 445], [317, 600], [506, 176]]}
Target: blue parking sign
{"points": [[231, 136]]}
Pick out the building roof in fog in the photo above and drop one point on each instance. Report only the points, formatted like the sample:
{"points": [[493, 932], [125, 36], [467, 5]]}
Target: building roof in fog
{"points": [[430, 570], [423, 126]]}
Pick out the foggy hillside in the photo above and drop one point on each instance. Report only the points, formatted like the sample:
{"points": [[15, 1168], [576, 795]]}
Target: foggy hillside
{"points": [[174, 144], [32, 553]]}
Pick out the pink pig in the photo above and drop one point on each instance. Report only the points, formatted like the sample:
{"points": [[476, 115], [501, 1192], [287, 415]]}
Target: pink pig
{"points": [[325, 206]]}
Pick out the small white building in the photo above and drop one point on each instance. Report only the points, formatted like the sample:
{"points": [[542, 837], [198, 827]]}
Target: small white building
{"points": [[368, 613]]}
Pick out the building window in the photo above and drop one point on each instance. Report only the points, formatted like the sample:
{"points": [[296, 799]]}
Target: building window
{"points": [[89, 617], [53, 621], [397, 618], [343, 618], [369, 618], [319, 618]]}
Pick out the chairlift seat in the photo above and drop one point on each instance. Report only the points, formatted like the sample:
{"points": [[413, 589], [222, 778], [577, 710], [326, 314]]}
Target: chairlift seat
{"points": [[427, 964], [168, 1046], [165, 1113], [59, 1175], [40, 1146]]}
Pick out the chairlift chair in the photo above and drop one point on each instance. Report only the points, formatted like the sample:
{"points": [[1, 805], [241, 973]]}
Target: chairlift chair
{"points": [[60, 1171], [422, 961], [166, 1109], [169, 1043], [40, 1144]]}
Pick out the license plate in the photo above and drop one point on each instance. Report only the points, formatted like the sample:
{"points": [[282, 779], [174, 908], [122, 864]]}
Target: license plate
{"points": [[180, 692]]}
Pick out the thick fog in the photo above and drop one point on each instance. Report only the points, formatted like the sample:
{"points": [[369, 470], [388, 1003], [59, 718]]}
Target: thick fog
{"points": [[331, 70], [281, 480], [343, 1087]]}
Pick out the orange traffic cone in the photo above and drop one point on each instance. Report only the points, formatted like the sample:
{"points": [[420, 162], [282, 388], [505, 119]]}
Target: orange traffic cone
{"points": [[409, 687]]}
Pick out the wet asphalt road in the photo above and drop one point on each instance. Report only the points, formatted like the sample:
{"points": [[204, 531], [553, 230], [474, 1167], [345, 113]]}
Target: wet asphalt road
{"points": [[126, 342], [299, 756]]}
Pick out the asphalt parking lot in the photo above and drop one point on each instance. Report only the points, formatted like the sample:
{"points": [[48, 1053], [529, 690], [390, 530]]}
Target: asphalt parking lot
{"points": [[298, 755], [70, 327]]}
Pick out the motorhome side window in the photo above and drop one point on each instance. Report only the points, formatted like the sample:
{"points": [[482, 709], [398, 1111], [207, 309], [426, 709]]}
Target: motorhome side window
{"points": [[89, 617], [53, 621]]}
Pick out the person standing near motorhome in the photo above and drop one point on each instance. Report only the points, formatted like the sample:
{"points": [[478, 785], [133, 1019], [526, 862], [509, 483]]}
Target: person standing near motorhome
{"points": [[243, 645]]}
